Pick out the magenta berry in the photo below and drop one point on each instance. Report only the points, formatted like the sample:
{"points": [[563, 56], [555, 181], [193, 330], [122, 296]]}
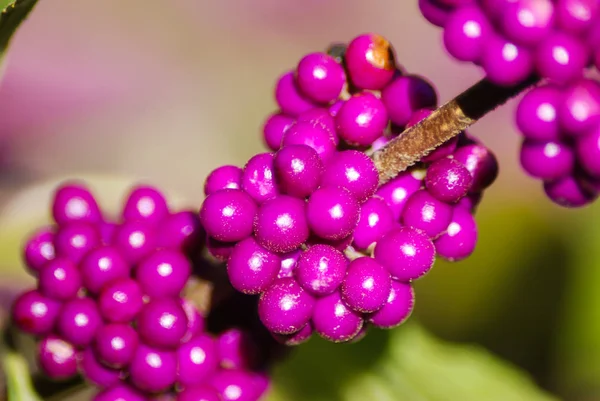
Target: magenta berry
{"points": [[426, 213], [298, 170], [121, 301], [548, 161], [397, 191], [568, 192], [321, 269], [527, 22], [164, 273], [323, 118], [236, 349], [180, 231], [461, 237], [370, 61], [288, 264], [75, 240], [235, 385], [376, 219], [197, 360], [588, 152], [95, 372], [506, 63], [228, 215], [57, 358], [78, 321], [198, 393], [354, 171], [405, 95], [480, 162], [561, 57], [397, 308], [580, 109], [252, 268], [366, 286], [435, 12], [102, 266], [361, 119], [312, 134], [121, 392], [334, 320], [218, 249], [115, 344], [39, 249], [285, 307], [74, 203], [320, 78], [224, 177], [288, 96], [135, 240], [162, 323], [466, 33], [332, 213], [281, 225], [258, 178], [60, 279], [195, 321], [34, 313], [147, 204], [448, 180], [297, 338], [153, 370], [576, 16], [537, 113], [273, 130]]}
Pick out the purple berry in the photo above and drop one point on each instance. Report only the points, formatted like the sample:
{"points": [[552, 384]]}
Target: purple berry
{"points": [[197, 360], [576, 16], [237, 349], [298, 169], [461, 237], [121, 301], [397, 191], [198, 393], [312, 134], [119, 392], [224, 177], [228, 215], [273, 130], [135, 240], [537, 113], [162, 323], [480, 162], [406, 253], [435, 11], [527, 22], [466, 33], [107, 232], [426, 213], [580, 110], [34, 313], [321, 269], [75, 240], [235, 385], [548, 161], [57, 358], [322, 117], [218, 249], [568, 192], [320, 77], [588, 152], [102, 266], [354, 171], [297, 338], [561, 57], [448, 180], [281, 225], [78, 321], [335, 321], [370, 61], [251, 268], [39, 249], [376, 219], [74, 203], [398, 307], [284, 308], [506, 63], [181, 231], [153, 370], [95, 372], [115, 344], [366, 286], [288, 264], [288, 96], [361, 119], [258, 179], [407, 94], [145, 204], [60, 279], [164, 273], [332, 213]]}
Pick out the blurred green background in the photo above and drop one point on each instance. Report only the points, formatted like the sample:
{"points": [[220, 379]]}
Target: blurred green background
{"points": [[118, 92]]}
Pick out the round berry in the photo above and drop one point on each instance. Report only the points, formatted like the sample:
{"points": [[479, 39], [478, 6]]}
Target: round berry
{"points": [[60, 279], [281, 224], [361, 119], [435, 12], [312, 134], [576, 16], [181, 231], [407, 94], [461, 237], [237, 349], [397, 191], [284, 308], [480, 162], [370, 61], [298, 169], [121, 392], [164, 273], [74, 203], [588, 152], [353, 171], [162, 323], [321, 269], [224, 177], [506, 63], [561, 57], [406, 253], [258, 179], [398, 307], [320, 77], [332, 213], [107, 232], [145, 204], [537, 113], [322, 117], [426, 213], [288, 265], [39, 249], [366, 286], [102, 266], [334, 320], [526, 22], [75, 240], [251, 268], [153, 370], [568, 192], [196, 360], [273, 130], [466, 33], [95, 372], [580, 109], [297, 338], [78, 321], [376, 219], [198, 393], [227, 215], [57, 358], [288, 96], [121, 301], [115, 344], [448, 180], [548, 161], [235, 385], [135, 240], [34, 313]]}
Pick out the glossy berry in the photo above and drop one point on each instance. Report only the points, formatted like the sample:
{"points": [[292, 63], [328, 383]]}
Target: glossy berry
{"points": [[288, 96], [480, 162], [548, 161], [297, 338], [121, 392], [288, 264], [284, 308], [281, 225], [370, 61], [75, 240], [237, 349], [361, 119], [162, 323], [258, 178], [147, 204], [426, 213], [224, 177], [39, 249], [252, 268], [298, 170], [235, 385], [320, 77], [74, 203], [115, 344], [197, 360], [57, 358], [576, 16], [228, 215], [315, 135], [34, 313], [466, 33], [537, 113], [153, 370], [273, 130], [164, 273], [588, 152], [435, 12], [376, 219], [568, 192], [60, 279], [95, 372], [198, 393], [448, 180], [459, 241], [321, 269], [527, 22], [121, 301], [406, 253], [580, 109], [353, 171], [405, 95], [321, 117], [397, 308], [366, 286], [506, 63], [181, 231], [335, 321], [561, 57], [135, 240], [102, 266], [397, 191], [332, 213], [78, 321]]}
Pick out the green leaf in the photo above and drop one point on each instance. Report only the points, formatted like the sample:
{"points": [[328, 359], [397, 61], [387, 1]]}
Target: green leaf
{"points": [[402, 364], [12, 15], [18, 380]]}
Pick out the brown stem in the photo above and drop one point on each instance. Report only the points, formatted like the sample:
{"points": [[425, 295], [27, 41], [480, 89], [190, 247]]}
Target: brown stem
{"points": [[443, 124]]}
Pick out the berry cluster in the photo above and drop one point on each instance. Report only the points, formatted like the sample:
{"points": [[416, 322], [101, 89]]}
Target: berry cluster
{"points": [[307, 225], [109, 304]]}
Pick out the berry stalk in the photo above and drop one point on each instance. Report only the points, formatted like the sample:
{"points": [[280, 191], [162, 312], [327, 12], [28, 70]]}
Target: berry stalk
{"points": [[442, 125]]}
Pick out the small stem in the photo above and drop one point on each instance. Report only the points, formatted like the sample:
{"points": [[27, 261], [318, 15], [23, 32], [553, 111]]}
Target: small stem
{"points": [[443, 124]]}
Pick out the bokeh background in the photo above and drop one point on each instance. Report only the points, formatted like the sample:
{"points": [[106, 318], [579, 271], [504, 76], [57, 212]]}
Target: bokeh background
{"points": [[121, 92]]}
